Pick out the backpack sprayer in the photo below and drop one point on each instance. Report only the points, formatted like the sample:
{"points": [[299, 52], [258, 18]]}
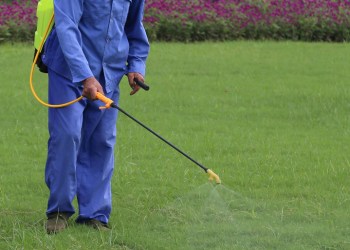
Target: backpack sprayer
{"points": [[45, 15]]}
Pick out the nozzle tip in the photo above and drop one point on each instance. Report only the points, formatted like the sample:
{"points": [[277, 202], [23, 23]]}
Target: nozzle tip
{"points": [[213, 176]]}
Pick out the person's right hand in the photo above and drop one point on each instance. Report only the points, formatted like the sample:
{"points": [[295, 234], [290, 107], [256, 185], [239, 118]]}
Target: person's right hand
{"points": [[91, 86]]}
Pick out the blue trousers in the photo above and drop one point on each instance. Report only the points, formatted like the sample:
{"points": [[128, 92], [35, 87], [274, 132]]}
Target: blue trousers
{"points": [[80, 158]]}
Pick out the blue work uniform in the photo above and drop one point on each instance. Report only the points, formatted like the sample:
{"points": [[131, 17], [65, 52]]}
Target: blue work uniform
{"points": [[104, 39]]}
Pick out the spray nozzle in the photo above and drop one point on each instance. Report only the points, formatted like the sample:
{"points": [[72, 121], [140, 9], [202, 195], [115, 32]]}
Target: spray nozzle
{"points": [[213, 176]]}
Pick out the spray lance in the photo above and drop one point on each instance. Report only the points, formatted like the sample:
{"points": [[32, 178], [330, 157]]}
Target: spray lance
{"points": [[110, 104], [45, 22]]}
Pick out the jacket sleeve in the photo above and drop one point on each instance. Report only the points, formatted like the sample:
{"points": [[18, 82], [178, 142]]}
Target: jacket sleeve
{"points": [[137, 37], [67, 17]]}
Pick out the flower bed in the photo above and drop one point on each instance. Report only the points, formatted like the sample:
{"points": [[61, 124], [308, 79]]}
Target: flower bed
{"points": [[310, 20], [17, 20], [197, 20]]}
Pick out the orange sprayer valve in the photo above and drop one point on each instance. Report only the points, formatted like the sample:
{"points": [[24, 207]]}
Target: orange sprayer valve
{"points": [[105, 100]]}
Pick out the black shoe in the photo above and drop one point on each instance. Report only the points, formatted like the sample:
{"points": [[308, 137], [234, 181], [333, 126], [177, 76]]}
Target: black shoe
{"points": [[56, 222], [95, 224]]}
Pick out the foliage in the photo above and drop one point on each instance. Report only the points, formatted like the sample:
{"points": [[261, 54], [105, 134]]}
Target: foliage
{"points": [[17, 20], [198, 20], [306, 20]]}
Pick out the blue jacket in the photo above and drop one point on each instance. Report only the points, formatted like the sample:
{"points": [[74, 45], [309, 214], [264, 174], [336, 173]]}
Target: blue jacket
{"points": [[91, 36]]}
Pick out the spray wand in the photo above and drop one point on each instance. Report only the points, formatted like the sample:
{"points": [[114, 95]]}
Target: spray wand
{"points": [[110, 104]]}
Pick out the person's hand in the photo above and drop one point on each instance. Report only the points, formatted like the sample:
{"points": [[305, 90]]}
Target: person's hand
{"points": [[91, 87], [131, 77]]}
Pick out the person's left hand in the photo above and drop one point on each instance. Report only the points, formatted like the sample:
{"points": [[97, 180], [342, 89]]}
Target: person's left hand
{"points": [[131, 77]]}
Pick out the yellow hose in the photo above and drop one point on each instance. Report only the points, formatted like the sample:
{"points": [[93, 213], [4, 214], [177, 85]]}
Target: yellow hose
{"points": [[32, 73]]}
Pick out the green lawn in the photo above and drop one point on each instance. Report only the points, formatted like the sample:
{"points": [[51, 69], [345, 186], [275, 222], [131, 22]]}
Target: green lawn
{"points": [[270, 118]]}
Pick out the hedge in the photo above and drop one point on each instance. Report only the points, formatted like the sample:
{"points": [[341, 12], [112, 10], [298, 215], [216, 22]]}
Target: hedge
{"points": [[199, 20]]}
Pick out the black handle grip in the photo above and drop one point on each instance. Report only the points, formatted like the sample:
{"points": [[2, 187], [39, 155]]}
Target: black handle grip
{"points": [[142, 84]]}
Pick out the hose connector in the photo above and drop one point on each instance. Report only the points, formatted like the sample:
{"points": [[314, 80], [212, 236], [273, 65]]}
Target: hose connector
{"points": [[213, 176]]}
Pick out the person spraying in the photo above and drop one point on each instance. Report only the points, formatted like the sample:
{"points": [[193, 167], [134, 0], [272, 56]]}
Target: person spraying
{"points": [[91, 46]]}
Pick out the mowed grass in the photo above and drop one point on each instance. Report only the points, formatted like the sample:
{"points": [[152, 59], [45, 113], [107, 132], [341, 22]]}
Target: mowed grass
{"points": [[271, 119]]}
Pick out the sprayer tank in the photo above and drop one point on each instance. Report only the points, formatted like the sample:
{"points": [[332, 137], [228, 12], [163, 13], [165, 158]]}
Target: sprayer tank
{"points": [[44, 13]]}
